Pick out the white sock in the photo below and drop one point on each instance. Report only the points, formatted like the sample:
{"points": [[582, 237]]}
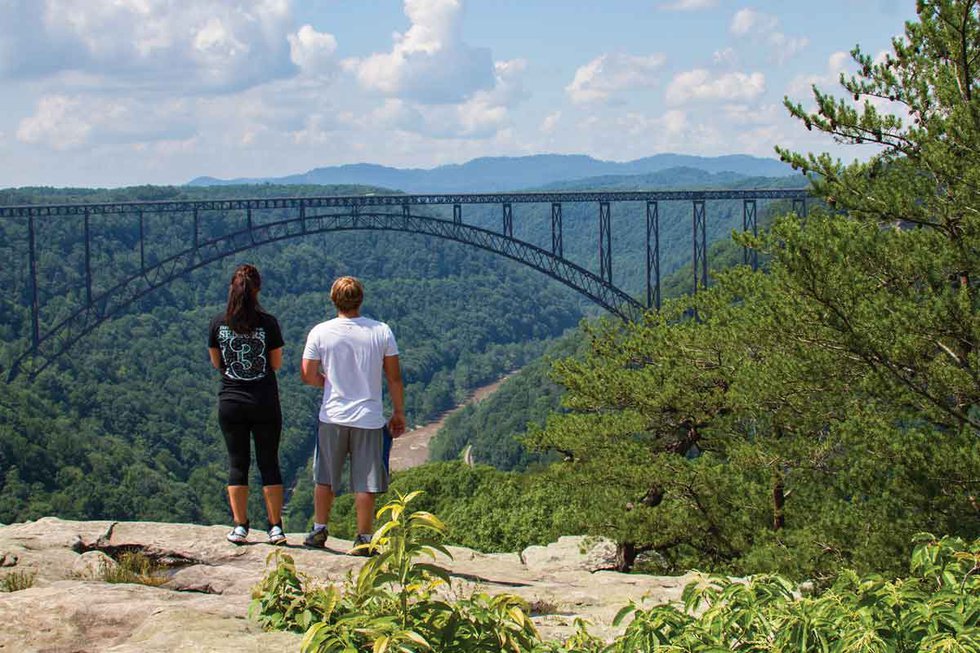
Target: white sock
{"points": [[318, 527]]}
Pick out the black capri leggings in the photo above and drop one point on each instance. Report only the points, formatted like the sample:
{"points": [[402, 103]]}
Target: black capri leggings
{"points": [[240, 422]]}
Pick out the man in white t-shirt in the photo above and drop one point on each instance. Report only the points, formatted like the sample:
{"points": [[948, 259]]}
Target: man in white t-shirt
{"points": [[347, 356]]}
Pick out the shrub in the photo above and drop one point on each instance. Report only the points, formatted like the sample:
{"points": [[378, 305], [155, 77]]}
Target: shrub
{"points": [[393, 605], [936, 609], [288, 600]]}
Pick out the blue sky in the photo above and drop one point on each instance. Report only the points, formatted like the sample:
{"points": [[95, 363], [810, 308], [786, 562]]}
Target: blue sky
{"points": [[122, 92]]}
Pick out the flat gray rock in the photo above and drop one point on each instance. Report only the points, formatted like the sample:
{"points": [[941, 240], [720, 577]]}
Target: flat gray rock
{"points": [[203, 604], [585, 553]]}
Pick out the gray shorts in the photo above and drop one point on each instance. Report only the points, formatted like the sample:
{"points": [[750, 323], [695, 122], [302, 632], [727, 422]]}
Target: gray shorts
{"points": [[368, 472]]}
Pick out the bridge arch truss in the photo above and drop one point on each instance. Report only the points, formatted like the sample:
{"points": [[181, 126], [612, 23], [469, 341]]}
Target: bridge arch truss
{"points": [[307, 216]]}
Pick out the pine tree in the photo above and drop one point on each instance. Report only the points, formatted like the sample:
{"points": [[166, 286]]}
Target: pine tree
{"points": [[822, 413]]}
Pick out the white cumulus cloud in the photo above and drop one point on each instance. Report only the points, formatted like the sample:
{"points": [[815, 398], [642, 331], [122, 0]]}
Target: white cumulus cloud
{"points": [[746, 21], [195, 44], [429, 63], [687, 5], [486, 114], [746, 114], [750, 22], [63, 122], [667, 126], [313, 51], [836, 64], [701, 84], [725, 56], [57, 124], [550, 122], [607, 74]]}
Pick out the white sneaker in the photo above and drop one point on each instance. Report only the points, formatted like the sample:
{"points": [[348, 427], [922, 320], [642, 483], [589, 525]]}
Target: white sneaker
{"points": [[276, 536], [239, 534]]}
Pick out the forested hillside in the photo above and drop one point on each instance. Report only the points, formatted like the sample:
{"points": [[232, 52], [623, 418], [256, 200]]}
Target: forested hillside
{"points": [[822, 414], [124, 426], [495, 428]]}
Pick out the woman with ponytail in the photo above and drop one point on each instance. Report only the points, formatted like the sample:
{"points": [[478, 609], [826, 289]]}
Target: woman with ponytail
{"points": [[245, 343]]}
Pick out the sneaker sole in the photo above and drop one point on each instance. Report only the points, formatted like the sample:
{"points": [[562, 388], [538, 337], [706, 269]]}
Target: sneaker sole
{"points": [[315, 544]]}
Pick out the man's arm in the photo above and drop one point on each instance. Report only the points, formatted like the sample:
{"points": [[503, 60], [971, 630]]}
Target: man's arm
{"points": [[396, 390], [309, 371]]}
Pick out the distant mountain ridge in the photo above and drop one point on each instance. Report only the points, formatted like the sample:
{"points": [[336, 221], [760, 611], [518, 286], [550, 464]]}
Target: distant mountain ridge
{"points": [[677, 178], [513, 173]]}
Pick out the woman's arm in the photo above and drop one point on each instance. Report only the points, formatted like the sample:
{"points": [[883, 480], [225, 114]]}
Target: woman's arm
{"points": [[275, 358], [215, 354]]}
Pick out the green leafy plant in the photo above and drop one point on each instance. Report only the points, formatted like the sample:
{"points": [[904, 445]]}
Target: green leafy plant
{"points": [[288, 600], [15, 581], [393, 603], [582, 641], [937, 608], [398, 602]]}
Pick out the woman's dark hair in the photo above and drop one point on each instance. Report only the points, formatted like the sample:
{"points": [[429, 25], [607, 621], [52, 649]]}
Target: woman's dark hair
{"points": [[242, 314]]}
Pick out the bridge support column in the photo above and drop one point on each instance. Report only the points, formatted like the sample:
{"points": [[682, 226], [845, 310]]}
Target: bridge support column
{"points": [[197, 237], [35, 303], [799, 207], [88, 261], [653, 255], [457, 214], [556, 236], [508, 220], [142, 246], [302, 217], [750, 256], [605, 243], [699, 262]]}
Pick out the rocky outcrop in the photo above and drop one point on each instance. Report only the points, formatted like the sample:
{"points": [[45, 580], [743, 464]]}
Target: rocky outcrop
{"points": [[572, 552], [202, 601]]}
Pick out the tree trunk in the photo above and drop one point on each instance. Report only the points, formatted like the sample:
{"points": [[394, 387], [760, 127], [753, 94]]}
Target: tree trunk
{"points": [[778, 499], [625, 556]]}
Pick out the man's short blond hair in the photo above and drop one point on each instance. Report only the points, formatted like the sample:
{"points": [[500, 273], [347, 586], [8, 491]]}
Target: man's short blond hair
{"points": [[347, 293]]}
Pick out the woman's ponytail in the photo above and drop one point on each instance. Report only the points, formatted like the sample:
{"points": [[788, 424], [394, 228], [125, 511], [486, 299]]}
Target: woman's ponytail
{"points": [[242, 314]]}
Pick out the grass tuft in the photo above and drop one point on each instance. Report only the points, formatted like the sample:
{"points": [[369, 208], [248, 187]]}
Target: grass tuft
{"points": [[17, 580], [134, 568]]}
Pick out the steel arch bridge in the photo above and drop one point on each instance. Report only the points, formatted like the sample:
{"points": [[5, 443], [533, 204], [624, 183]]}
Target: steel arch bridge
{"points": [[305, 216]]}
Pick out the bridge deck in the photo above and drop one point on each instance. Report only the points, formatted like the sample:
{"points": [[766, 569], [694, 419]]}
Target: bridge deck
{"points": [[344, 201]]}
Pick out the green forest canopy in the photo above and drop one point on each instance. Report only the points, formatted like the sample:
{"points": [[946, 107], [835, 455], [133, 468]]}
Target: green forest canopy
{"points": [[800, 420], [813, 417], [105, 433]]}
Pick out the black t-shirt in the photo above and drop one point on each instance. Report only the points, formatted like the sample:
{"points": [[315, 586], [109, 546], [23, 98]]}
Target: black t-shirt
{"points": [[245, 373]]}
